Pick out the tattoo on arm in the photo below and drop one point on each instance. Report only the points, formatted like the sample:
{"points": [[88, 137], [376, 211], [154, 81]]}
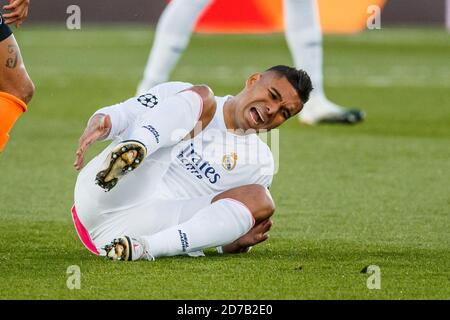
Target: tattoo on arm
{"points": [[11, 62]]}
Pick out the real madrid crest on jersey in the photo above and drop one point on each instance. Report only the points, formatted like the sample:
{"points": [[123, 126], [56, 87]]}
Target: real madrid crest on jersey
{"points": [[229, 161], [148, 100]]}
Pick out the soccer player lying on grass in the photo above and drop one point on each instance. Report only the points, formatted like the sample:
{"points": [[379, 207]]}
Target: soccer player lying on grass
{"points": [[186, 170], [16, 87]]}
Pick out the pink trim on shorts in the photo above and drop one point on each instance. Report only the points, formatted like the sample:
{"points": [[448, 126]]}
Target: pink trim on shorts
{"points": [[245, 207], [83, 234]]}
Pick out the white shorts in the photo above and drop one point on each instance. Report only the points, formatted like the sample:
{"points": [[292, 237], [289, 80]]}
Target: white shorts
{"points": [[133, 207]]}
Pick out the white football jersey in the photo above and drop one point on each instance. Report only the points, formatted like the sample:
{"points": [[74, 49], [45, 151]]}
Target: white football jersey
{"points": [[217, 160]]}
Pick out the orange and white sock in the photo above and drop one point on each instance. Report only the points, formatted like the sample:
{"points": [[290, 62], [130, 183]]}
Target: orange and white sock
{"points": [[11, 108]]}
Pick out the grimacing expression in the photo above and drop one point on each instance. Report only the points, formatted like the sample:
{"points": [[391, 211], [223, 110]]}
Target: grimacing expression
{"points": [[268, 100]]}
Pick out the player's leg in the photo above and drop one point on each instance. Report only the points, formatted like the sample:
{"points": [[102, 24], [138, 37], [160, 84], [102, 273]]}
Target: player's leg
{"points": [[94, 207], [100, 216], [16, 87], [164, 126], [91, 199], [172, 36], [304, 38], [230, 215]]}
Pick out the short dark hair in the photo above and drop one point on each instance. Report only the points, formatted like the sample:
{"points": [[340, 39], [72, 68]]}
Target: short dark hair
{"points": [[299, 79]]}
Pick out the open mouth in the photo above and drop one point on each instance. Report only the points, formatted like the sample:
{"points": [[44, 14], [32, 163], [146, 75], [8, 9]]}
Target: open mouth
{"points": [[256, 116]]}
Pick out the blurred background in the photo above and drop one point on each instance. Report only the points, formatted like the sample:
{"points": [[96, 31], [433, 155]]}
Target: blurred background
{"points": [[395, 12]]}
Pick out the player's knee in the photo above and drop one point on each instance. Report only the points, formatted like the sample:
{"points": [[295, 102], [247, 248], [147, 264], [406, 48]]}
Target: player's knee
{"points": [[267, 208], [259, 202], [255, 197], [26, 91]]}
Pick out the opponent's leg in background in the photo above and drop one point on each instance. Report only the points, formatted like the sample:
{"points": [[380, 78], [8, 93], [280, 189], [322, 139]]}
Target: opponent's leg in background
{"points": [[304, 38], [16, 87], [230, 216], [172, 36]]}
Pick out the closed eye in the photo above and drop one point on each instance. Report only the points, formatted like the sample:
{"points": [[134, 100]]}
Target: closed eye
{"points": [[286, 114], [272, 95]]}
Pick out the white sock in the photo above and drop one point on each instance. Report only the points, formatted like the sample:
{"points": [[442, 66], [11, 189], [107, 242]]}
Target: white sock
{"points": [[172, 36], [304, 38], [220, 223]]}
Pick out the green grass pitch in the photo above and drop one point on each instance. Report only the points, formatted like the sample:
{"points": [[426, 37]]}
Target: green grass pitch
{"points": [[347, 197]]}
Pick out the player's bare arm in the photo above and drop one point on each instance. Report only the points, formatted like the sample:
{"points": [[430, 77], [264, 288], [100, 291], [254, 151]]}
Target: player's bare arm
{"points": [[97, 129], [16, 12]]}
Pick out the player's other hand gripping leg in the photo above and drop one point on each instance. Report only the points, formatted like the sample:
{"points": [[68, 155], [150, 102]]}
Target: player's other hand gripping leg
{"points": [[127, 249], [124, 158]]}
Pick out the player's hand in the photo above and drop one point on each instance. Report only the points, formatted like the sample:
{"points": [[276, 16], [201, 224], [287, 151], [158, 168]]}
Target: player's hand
{"points": [[98, 127], [257, 234], [17, 11]]}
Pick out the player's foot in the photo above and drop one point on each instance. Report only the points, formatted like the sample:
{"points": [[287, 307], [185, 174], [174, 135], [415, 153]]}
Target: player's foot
{"points": [[352, 116], [124, 158], [127, 249], [321, 110]]}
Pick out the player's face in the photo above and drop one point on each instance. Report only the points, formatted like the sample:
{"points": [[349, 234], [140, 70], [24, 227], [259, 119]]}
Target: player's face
{"points": [[268, 100]]}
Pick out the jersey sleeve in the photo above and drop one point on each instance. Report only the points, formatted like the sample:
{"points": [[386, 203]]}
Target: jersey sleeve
{"points": [[124, 114]]}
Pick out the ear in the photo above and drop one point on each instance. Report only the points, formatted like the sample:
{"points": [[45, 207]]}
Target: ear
{"points": [[252, 80]]}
